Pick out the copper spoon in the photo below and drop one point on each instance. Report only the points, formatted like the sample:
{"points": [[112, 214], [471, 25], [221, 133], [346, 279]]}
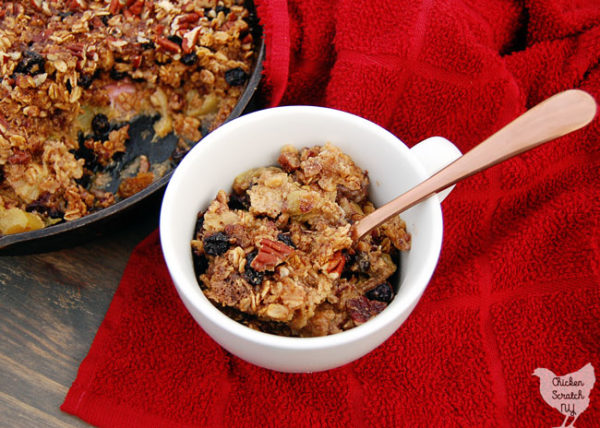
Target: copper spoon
{"points": [[557, 116]]}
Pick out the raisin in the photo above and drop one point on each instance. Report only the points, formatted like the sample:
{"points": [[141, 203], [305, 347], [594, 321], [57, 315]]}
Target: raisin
{"points": [[31, 63], [236, 76], [189, 59], [85, 80], [239, 202], [148, 45], [100, 126], [216, 244], [104, 19], [1, 174], [175, 39], [286, 239], [252, 276], [200, 264], [383, 293]]}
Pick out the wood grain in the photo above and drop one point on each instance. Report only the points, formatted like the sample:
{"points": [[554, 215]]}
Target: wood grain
{"points": [[51, 305]]}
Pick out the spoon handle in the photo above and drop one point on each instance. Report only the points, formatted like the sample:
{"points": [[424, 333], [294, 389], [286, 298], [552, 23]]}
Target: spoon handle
{"points": [[557, 116]]}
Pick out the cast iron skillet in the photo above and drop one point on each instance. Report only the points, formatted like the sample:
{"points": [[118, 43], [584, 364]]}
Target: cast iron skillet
{"points": [[95, 224]]}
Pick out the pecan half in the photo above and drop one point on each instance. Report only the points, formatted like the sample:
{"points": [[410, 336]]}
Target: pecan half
{"points": [[270, 254]]}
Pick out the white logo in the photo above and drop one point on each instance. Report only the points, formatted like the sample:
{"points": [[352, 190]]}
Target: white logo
{"points": [[569, 394]]}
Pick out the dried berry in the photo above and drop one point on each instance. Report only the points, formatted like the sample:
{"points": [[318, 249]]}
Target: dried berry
{"points": [[200, 264], [236, 76], [286, 238], [116, 75], [100, 126], [223, 9], [31, 63], [216, 244], [252, 276], [361, 310], [175, 39], [383, 293], [239, 202], [189, 59], [85, 81], [148, 45]]}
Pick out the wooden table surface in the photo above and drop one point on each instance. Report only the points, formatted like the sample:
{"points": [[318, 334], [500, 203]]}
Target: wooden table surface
{"points": [[51, 305]]}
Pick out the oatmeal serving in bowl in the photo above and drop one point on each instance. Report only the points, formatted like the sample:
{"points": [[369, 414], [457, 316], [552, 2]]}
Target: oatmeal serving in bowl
{"points": [[76, 76], [287, 214], [276, 254]]}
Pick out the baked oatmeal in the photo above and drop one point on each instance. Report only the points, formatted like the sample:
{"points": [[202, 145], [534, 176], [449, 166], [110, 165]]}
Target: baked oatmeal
{"points": [[75, 73], [276, 255]]}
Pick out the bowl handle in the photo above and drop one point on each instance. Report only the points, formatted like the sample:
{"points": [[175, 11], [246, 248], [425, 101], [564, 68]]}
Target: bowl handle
{"points": [[435, 153]]}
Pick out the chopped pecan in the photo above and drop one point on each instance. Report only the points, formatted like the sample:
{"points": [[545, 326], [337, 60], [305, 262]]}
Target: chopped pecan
{"points": [[190, 39], [167, 44], [19, 157], [336, 264], [115, 6], [270, 254], [137, 7]]}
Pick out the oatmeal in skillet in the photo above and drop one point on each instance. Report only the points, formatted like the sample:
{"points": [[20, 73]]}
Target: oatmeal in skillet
{"points": [[74, 73]]}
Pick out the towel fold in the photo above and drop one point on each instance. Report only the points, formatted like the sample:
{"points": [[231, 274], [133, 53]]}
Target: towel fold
{"points": [[518, 282]]}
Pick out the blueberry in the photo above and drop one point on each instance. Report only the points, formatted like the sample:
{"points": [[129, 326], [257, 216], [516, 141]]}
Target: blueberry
{"points": [[100, 125], [85, 81], [383, 293], [286, 239], [236, 76], [216, 244], [239, 202], [252, 276], [31, 63], [175, 39], [189, 59]]}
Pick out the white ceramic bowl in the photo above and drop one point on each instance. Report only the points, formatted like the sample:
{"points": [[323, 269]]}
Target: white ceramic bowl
{"points": [[255, 140]]}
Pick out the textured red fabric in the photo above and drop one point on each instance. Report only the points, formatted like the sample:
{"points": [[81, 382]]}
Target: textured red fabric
{"points": [[517, 286]]}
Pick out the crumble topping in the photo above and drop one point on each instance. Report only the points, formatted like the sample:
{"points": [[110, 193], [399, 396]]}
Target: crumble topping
{"points": [[276, 254], [74, 74]]}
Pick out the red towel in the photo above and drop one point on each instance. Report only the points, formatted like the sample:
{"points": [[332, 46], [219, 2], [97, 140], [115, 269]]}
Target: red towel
{"points": [[517, 286]]}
